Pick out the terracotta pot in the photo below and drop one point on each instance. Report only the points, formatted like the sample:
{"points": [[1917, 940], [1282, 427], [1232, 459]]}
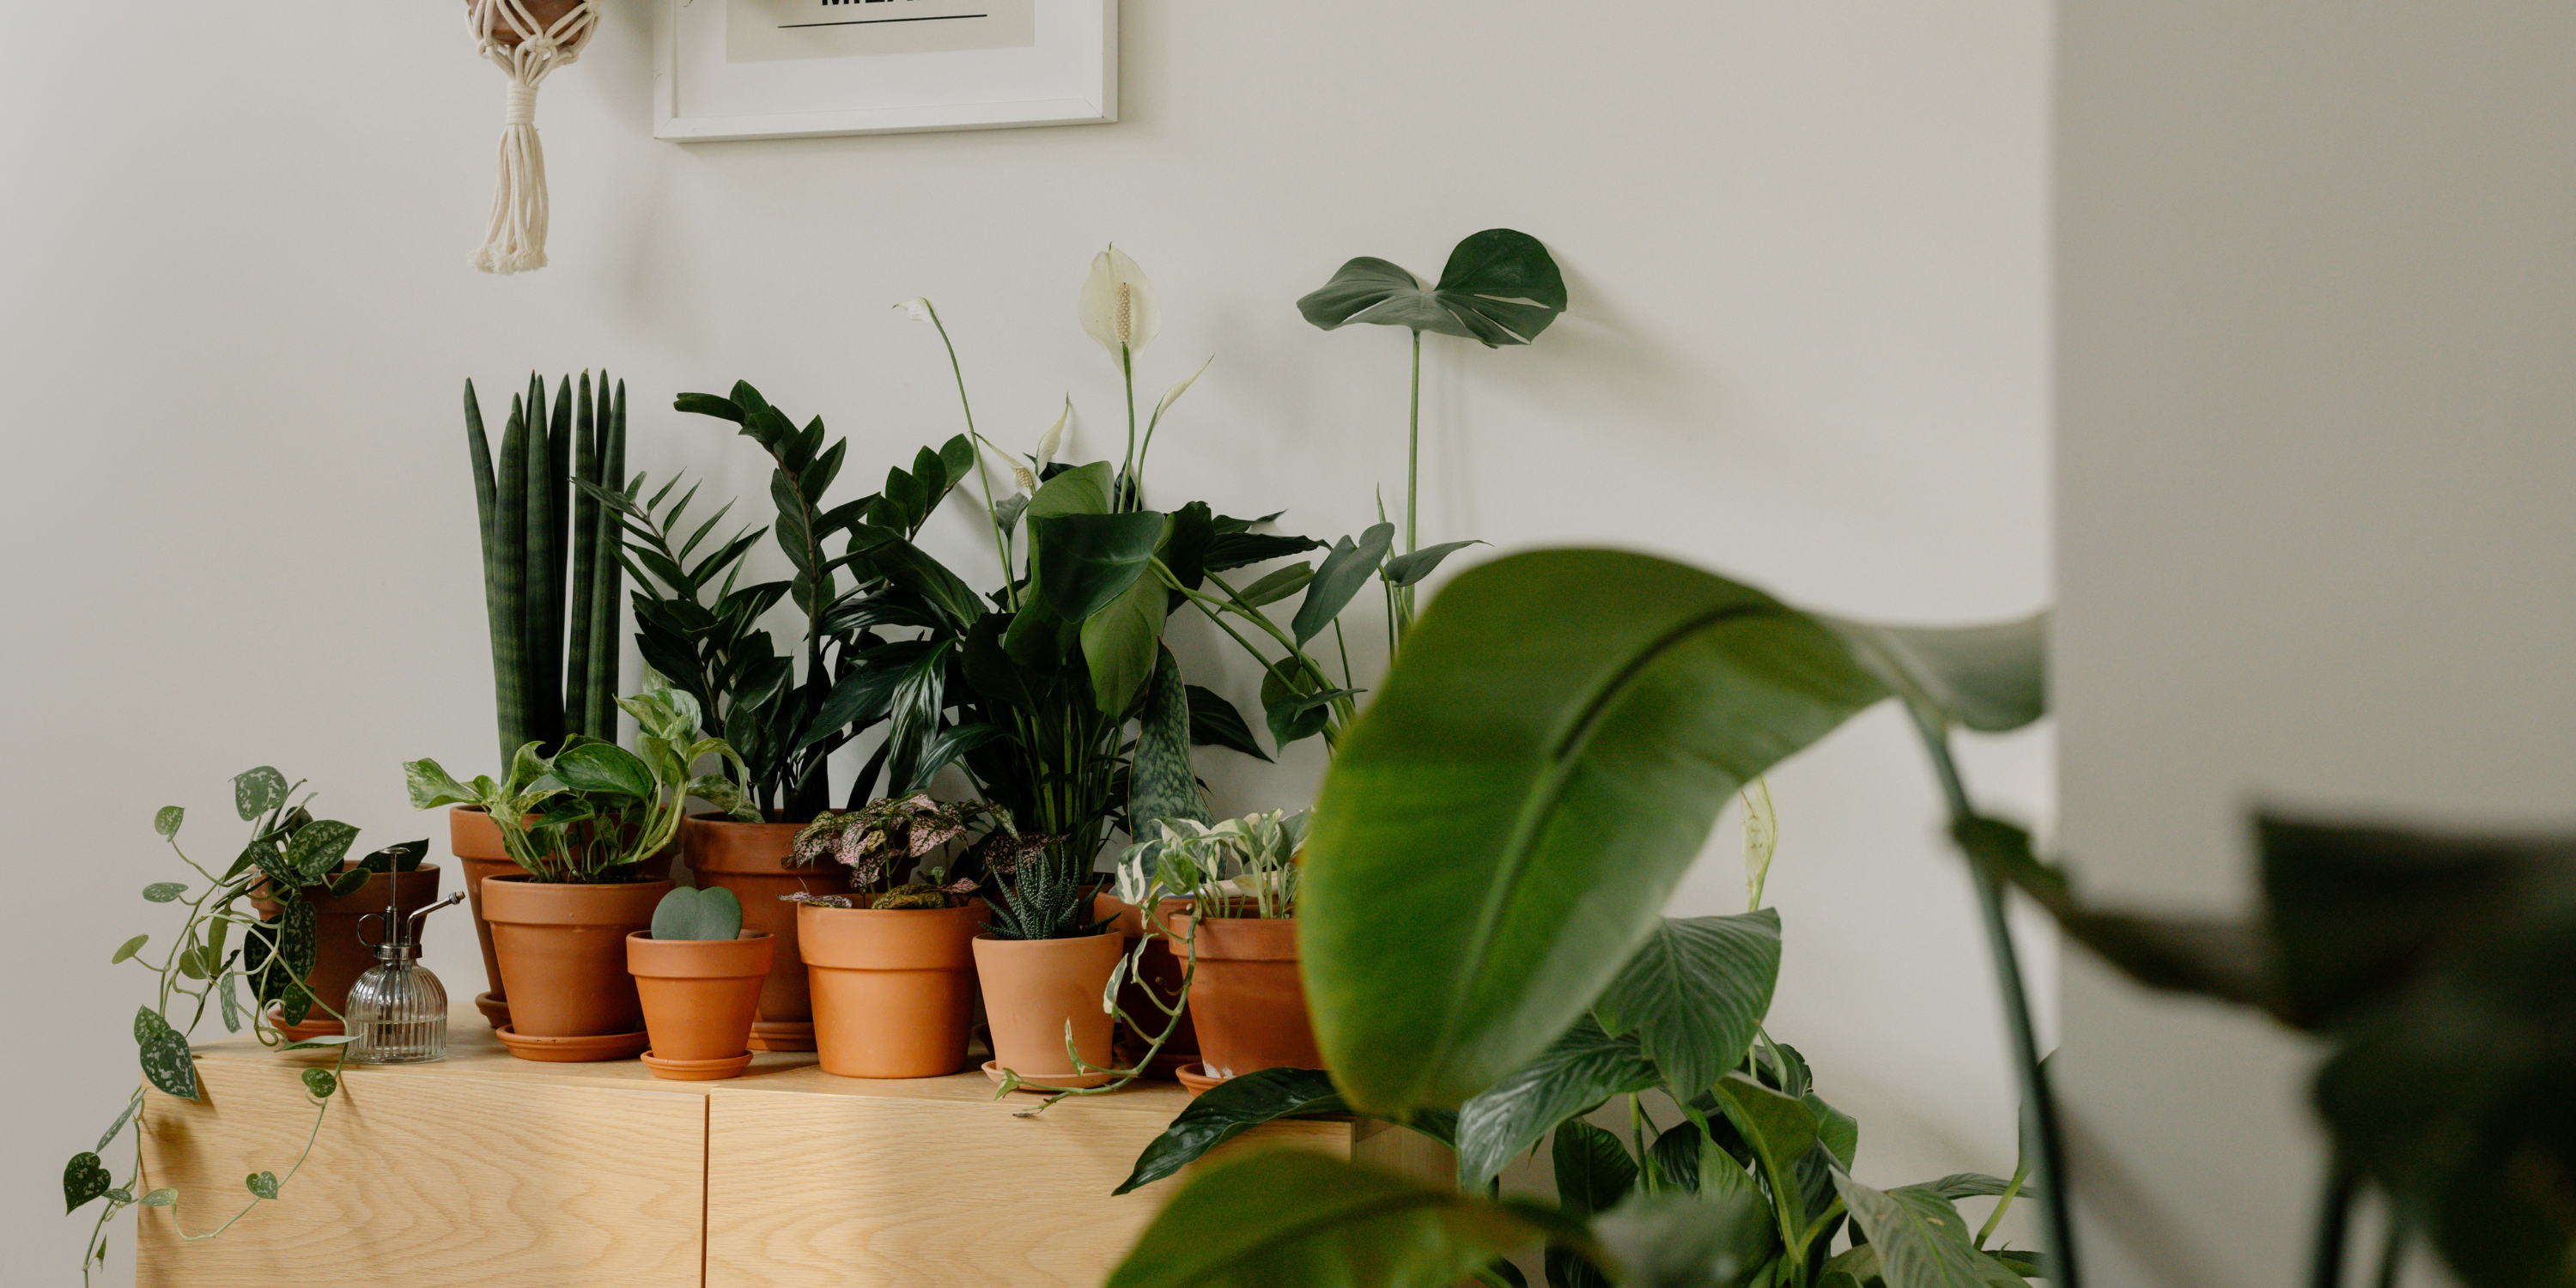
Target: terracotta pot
{"points": [[699, 995], [1032, 987], [562, 951], [1161, 972], [339, 957], [546, 13], [893, 988], [750, 860], [476, 841], [1248, 1000]]}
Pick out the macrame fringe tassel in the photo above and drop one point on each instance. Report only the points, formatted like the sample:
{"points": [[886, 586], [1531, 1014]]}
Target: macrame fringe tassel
{"points": [[516, 240]]}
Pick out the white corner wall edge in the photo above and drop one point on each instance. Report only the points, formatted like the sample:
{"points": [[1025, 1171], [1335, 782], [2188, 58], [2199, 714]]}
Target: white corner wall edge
{"points": [[668, 124], [2315, 311]]}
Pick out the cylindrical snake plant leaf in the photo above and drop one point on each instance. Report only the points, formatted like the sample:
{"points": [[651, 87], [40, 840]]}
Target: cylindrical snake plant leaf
{"points": [[506, 576], [608, 574], [585, 542]]}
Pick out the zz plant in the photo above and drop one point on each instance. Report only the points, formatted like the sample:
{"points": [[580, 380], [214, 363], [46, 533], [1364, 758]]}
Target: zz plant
{"points": [[289, 853]]}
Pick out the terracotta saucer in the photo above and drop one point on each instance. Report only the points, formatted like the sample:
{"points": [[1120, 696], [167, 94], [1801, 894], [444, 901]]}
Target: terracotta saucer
{"points": [[993, 1070], [496, 1012], [697, 1070], [1195, 1077], [314, 1026], [782, 1035], [583, 1050]]}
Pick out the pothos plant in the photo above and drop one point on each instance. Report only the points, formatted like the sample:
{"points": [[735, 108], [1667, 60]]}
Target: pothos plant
{"points": [[1242, 867], [590, 813], [289, 854]]}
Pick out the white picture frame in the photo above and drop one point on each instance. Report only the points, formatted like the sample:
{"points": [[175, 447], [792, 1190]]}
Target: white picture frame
{"points": [[1067, 73]]}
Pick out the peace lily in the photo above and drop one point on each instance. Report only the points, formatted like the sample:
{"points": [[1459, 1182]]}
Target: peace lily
{"points": [[1118, 305]]}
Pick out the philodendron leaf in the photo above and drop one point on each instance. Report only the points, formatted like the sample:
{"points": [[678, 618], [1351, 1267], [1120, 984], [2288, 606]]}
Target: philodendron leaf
{"points": [[349, 882], [1161, 783], [692, 914], [257, 791], [263, 1184], [1289, 1216], [1696, 993], [1593, 1174], [1969, 1185], [605, 768], [1229, 1109], [1922, 1240], [1500, 287], [1577, 1072], [165, 1056], [84, 1179], [167, 820], [1669, 1240], [163, 891]]}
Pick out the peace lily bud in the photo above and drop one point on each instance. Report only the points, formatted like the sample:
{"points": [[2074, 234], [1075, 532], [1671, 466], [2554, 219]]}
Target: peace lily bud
{"points": [[1118, 304], [919, 308], [1054, 437]]}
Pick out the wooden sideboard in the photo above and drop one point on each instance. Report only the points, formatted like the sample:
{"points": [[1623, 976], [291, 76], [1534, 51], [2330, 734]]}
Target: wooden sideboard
{"points": [[486, 1171]]}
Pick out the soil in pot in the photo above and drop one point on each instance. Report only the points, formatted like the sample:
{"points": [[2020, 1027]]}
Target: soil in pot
{"points": [[1032, 987], [699, 997], [750, 860], [562, 951], [1248, 1000], [893, 988]]}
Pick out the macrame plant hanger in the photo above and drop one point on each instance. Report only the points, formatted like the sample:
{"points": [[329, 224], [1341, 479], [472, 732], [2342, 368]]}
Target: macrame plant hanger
{"points": [[516, 37]]}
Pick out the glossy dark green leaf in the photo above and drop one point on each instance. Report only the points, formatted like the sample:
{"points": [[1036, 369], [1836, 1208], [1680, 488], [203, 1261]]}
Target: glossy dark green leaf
{"points": [[321, 1082], [1593, 1170], [163, 891], [1500, 287], [1185, 547], [1670, 1240], [1837, 1131], [1290, 1216], [1990, 678], [1969, 1185], [1086, 561], [1233, 550], [1161, 783], [319, 847], [907, 566], [1405, 570], [1780, 1131], [1228, 1110], [257, 791], [403, 857], [1083, 489], [1339, 578], [1296, 711], [1573, 1075], [85, 1178], [1695, 993], [1922, 1241], [1120, 642], [262, 1184], [166, 1060], [1546, 758], [295, 942], [1214, 722], [605, 768], [167, 820], [1676, 1156]]}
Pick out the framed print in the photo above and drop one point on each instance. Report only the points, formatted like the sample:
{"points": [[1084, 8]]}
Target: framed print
{"points": [[771, 69]]}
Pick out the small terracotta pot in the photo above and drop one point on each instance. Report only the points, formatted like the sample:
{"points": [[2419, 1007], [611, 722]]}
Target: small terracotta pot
{"points": [[562, 951], [750, 860], [1032, 988], [1161, 972], [1248, 1000], [893, 988], [476, 841], [699, 996]]}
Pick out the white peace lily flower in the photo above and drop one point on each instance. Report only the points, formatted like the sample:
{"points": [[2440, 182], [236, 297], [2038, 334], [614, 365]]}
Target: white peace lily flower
{"points": [[1118, 304], [918, 307], [1049, 441], [1184, 387]]}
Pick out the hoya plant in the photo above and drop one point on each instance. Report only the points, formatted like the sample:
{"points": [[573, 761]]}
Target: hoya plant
{"points": [[244, 926], [592, 812]]}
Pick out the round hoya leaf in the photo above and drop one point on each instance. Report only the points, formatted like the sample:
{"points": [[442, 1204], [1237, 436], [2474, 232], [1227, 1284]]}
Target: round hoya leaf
{"points": [[321, 1082], [167, 820], [132, 946], [164, 891]]}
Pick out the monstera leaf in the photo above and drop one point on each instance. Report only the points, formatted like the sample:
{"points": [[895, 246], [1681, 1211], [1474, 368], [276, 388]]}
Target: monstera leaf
{"points": [[1501, 287]]}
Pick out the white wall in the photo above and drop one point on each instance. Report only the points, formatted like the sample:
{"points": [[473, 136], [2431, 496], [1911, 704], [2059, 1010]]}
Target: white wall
{"points": [[2315, 292], [1804, 242]]}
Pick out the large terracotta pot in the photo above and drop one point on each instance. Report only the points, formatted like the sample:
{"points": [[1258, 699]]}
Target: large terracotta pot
{"points": [[562, 951], [1248, 999], [1032, 989], [750, 860], [476, 840], [699, 996], [893, 988], [1159, 970]]}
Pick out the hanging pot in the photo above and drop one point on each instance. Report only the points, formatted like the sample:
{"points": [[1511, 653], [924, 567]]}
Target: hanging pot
{"points": [[893, 988], [562, 952], [1248, 999], [1032, 989], [749, 859], [543, 13], [698, 996]]}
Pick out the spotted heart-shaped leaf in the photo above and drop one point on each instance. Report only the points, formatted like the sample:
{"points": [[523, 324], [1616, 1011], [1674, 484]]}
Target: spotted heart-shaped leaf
{"points": [[263, 1184], [84, 1179], [166, 821], [257, 791], [163, 891], [321, 1082], [165, 1056]]}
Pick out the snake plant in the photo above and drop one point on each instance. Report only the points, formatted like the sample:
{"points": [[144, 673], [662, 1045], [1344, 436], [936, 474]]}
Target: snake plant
{"points": [[551, 576]]}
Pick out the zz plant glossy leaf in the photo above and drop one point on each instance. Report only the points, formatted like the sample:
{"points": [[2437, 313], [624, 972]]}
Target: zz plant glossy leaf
{"points": [[1228, 1110], [1543, 763], [1288, 1216]]}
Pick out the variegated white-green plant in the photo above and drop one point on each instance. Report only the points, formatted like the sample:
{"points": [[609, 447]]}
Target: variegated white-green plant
{"points": [[1242, 867], [591, 812]]}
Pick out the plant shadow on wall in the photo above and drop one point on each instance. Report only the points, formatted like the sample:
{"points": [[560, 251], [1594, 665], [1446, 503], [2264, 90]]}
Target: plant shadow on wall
{"points": [[1486, 963]]}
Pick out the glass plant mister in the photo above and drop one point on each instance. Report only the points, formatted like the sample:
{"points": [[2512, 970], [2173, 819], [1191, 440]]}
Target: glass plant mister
{"points": [[398, 1010]]}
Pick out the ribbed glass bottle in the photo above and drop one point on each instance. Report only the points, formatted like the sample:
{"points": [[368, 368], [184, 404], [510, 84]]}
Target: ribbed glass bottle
{"points": [[399, 1013]]}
